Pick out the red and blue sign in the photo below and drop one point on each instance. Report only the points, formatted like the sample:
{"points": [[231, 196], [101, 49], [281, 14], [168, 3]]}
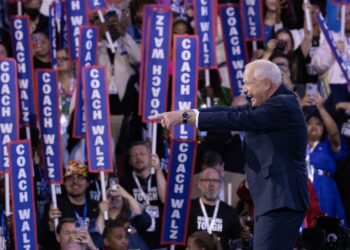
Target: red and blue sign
{"points": [[185, 82], [87, 57], [76, 16], [95, 5], [9, 125], [156, 65], [23, 200], [253, 20], [205, 26], [98, 133], [22, 50], [177, 204], [49, 117], [235, 47]]}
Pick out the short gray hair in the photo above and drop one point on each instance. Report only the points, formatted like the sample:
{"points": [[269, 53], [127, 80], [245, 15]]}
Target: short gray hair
{"points": [[265, 69]]}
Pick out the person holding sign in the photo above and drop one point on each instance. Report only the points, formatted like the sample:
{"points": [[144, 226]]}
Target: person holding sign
{"points": [[275, 141], [74, 203]]}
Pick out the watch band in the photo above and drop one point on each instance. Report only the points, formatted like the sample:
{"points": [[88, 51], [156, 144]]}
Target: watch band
{"points": [[185, 117]]}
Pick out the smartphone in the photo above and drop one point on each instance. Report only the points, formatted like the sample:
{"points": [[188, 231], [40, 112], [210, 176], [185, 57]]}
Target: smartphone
{"points": [[312, 90], [113, 183]]}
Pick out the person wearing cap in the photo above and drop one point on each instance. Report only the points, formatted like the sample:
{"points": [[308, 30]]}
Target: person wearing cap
{"points": [[73, 203]]}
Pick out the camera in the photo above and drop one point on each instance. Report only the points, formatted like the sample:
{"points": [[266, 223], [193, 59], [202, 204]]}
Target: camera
{"points": [[328, 234], [281, 44]]}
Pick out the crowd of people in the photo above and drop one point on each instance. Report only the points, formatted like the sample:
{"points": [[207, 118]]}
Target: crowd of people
{"points": [[222, 210]]}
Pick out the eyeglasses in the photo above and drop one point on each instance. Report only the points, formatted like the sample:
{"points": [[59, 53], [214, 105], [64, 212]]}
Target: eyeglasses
{"points": [[63, 58], [214, 181]]}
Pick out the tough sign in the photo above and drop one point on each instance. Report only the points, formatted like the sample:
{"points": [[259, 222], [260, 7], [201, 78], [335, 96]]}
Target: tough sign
{"points": [[9, 109], [185, 82], [24, 215], [50, 124], [98, 132]]}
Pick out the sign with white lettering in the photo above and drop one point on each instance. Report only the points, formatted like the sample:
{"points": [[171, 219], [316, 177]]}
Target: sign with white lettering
{"points": [[95, 5], [52, 35], [9, 125], [24, 215], [333, 46], [253, 20], [235, 47], [148, 9], [157, 58], [341, 2], [21, 43], [205, 26], [177, 203], [98, 133], [76, 17], [185, 82], [49, 117], [87, 57]]}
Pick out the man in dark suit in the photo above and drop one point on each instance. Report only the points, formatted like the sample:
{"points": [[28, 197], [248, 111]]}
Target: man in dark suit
{"points": [[275, 143]]}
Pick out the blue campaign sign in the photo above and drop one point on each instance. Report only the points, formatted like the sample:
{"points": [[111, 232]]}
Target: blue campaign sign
{"points": [[76, 16], [235, 47], [156, 65], [95, 5], [177, 203], [52, 35], [50, 128], [87, 57], [185, 82], [21, 43], [9, 125], [98, 133], [22, 193], [334, 48], [340, 2], [253, 20], [205, 29]]}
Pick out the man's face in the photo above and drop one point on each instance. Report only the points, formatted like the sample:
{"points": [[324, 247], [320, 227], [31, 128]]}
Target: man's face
{"points": [[66, 234], [253, 88], [117, 239], [140, 158], [75, 185], [210, 184]]}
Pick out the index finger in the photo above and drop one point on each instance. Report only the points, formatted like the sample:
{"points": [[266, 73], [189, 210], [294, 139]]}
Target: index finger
{"points": [[155, 117]]}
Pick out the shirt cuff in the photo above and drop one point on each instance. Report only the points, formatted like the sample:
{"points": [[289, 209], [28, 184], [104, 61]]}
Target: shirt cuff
{"points": [[196, 112]]}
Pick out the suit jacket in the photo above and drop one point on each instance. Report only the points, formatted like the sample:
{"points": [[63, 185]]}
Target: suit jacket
{"points": [[275, 145]]}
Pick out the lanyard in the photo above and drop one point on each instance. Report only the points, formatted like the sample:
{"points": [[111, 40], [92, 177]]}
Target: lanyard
{"points": [[204, 211], [144, 196], [81, 219]]}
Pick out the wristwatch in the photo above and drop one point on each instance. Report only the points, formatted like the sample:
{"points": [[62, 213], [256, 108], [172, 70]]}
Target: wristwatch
{"points": [[185, 117]]}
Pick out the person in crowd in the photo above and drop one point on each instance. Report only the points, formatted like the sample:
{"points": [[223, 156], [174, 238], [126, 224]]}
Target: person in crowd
{"points": [[272, 18], [125, 210], [209, 214], [324, 148], [37, 20], [120, 65], [201, 240], [136, 13], [67, 84], [115, 237], [71, 237], [74, 203], [147, 185], [230, 182], [41, 49], [275, 142]]}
